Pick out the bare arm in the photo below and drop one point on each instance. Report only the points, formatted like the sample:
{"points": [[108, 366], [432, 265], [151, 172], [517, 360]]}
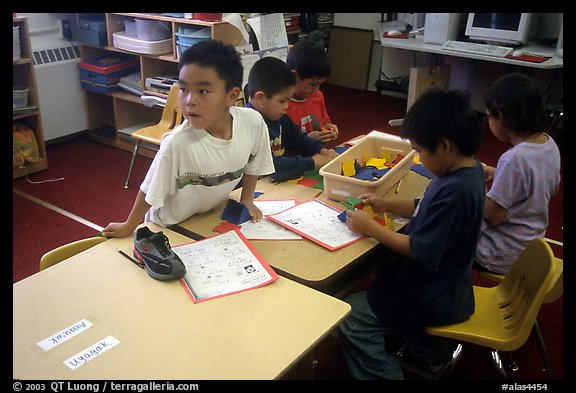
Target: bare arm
{"points": [[247, 196], [360, 222], [126, 228], [493, 213]]}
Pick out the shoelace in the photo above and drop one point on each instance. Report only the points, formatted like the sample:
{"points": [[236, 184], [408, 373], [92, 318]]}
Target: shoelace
{"points": [[162, 246]]}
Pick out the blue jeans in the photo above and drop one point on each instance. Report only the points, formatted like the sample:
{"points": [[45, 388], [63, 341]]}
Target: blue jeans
{"points": [[363, 343]]}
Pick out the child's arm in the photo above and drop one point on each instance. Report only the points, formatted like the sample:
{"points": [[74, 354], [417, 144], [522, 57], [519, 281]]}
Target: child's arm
{"points": [[247, 196], [401, 207], [493, 213], [127, 228], [361, 222]]}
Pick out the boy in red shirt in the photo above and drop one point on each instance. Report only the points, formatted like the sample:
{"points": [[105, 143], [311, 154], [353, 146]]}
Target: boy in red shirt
{"points": [[311, 65]]}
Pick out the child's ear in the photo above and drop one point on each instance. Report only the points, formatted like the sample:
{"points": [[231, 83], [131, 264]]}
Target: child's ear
{"points": [[233, 95], [259, 96]]}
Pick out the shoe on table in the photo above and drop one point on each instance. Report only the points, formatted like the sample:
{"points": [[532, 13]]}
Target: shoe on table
{"points": [[153, 249]]}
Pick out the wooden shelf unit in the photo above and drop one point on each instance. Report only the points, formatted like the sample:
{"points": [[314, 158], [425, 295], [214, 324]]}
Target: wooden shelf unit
{"points": [[23, 75], [120, 110]]}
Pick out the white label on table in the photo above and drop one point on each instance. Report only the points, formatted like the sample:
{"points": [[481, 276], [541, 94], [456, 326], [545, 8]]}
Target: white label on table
{"points": [[65, 335], [81, 358]]}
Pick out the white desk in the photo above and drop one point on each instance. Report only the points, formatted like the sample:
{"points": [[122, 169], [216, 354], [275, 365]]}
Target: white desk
{"points": [[417, 44], [257, 334]]}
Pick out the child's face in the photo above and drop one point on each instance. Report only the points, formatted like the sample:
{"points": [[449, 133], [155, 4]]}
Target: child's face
{"points": [[273, 108], [434, 162], [203, 98], [305, 87]]}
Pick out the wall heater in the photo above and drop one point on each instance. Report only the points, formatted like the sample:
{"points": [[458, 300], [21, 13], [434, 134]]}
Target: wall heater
{"points": [[62, 100]]}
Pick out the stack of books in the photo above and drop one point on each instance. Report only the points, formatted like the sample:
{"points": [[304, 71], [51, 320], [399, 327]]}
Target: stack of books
{"points": [[292, 22]]}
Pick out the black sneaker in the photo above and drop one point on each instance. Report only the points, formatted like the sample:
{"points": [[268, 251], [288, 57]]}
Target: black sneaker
{"points": [[426, 370], [153, 249]]}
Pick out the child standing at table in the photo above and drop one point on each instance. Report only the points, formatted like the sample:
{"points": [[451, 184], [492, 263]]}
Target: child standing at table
{"points": [[426, 279], [270, 86], [201, 161], [526, 177], [307, 107]]}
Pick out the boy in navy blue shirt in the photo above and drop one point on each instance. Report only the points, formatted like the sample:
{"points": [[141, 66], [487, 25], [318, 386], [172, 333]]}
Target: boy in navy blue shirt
{"points": [[271, 83], [427, 279]]}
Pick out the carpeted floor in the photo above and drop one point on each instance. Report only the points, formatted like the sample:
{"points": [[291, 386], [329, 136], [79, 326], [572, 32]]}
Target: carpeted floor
{"points": [[92, 188]]}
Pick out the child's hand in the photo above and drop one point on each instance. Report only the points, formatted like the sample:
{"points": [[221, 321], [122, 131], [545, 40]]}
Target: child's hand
{"points": [[489, 172], [359, 221], [333, 128], [378, 203], [254, 212], [322, 135], [117, 229], [324, 157]]}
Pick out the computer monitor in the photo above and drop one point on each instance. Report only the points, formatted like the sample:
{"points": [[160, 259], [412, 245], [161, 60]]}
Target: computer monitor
{"points": [[507, 28]]}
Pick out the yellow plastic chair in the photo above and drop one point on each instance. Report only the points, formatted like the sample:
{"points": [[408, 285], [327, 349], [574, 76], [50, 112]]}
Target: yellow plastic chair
{"points": [[505, 314], [171, 117], [555, 291], [68, 250]]}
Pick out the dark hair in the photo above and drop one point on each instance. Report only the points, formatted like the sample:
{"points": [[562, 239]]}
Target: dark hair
{"points": [[438, 114], [223, 58], [270, 75], [309, 60], [518, 100]]}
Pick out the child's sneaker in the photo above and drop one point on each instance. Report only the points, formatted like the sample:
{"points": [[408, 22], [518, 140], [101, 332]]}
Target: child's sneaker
{"points": [[153, 249]]}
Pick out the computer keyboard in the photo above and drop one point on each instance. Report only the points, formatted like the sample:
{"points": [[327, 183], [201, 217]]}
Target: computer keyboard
{"points": [[393, 25], [478, 49]]}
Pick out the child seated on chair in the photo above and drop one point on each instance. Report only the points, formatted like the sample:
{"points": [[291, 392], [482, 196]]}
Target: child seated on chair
{"points": [[425, 277], [201, 161], [270, 86], [307, 107], [526, 177]]}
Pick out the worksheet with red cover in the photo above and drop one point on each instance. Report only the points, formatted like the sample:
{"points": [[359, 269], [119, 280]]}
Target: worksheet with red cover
{"points": [[222, 265], [318, 221]]}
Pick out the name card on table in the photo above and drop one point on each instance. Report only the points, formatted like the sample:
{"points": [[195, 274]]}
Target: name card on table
{"points": [[90, 353], [64, 335]]}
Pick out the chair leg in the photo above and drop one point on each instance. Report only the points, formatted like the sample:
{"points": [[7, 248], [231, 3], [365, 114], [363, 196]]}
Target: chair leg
{"points": [[497, 360], [542, 347], [134, 153]]}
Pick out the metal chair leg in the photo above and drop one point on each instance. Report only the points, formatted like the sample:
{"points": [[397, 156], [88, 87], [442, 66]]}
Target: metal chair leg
{"points": [[134, 153], [542, 348], [497, 360]]}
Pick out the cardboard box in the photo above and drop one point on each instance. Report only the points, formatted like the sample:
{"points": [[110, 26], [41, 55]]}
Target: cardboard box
{"points": [[107, 70], [338, 187]]}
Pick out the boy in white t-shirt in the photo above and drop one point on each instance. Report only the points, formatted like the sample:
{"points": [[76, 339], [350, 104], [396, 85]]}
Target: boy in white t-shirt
{"points": [[201, 161]]}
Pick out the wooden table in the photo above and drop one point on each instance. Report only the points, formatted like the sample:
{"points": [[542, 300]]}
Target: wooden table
{"points": [[303, 260], [256, 334]]}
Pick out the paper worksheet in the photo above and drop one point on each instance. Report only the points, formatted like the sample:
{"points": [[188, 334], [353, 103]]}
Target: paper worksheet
{"points": [[317, 221], [267, 229], [222, 265]]}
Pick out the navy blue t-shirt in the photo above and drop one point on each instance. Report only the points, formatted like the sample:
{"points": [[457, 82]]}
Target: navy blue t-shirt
{"points": [[434, 286]]}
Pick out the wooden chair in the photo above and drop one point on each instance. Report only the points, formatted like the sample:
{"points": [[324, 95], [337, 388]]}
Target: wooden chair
{"points": [[171, 117], [68, 250], [506, 314], [555, 291]]}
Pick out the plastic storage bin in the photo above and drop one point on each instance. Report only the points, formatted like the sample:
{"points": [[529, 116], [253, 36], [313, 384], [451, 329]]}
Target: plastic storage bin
{"points": [[152, 30], [92, 30], [16, 53], [130, 27], [338, 187], [19, 97]]}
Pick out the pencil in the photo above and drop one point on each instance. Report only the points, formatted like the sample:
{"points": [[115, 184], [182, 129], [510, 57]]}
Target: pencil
{"points": [[398, 186], [140, 265]]}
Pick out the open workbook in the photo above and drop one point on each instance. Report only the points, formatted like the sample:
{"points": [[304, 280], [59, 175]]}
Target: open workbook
{"points": [[222, 265]]}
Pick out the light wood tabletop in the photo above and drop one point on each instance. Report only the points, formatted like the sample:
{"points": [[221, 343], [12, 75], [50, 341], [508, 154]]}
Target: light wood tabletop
{"points": [[305, 261], [162, 334]]}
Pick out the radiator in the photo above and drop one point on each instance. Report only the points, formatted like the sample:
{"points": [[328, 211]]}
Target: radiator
{"points": [[61, 99]]}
